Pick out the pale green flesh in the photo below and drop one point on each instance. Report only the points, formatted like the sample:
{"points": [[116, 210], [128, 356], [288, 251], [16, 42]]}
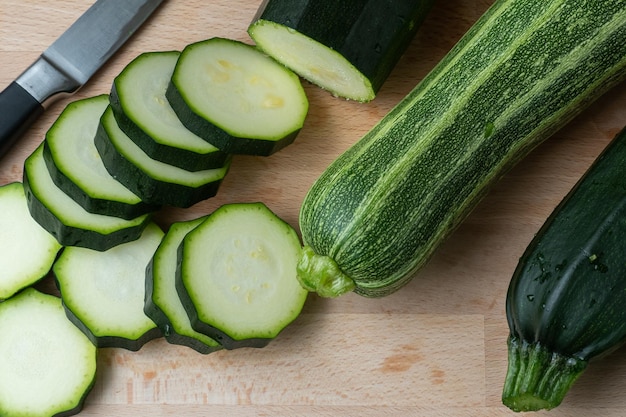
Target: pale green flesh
{"points": [[141, 89], [66, 210], [164, 293], [105, 289], [71, 142], [239, 270], [47, 365], [312, 60], [156, 169], [27, 251], [523, 71], [241, 90]]}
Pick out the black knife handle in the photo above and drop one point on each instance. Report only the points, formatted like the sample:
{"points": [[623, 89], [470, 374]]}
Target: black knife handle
{"points": [[18, 110]]}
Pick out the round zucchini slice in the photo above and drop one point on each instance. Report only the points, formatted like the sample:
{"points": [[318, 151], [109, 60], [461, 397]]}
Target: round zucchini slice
{"points": [[67, 220], [162, 303], [47, 365], [27, 250], [144, 114], [236, 97], [154, 181], [103, 292], [237, 275], [76, 166]]}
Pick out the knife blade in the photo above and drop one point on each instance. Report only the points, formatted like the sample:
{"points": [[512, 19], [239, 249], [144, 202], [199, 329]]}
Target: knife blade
{"points": [[66, 65]]}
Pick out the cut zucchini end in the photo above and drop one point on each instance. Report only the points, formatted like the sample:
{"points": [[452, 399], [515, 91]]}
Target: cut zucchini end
{"points": [[47, 365], [237, 275], [311, 60], [27, 250], [537, 379], [236, 97]]}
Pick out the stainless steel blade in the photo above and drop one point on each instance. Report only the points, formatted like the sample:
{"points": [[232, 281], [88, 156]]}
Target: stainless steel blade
{"points": [[77, 54]]}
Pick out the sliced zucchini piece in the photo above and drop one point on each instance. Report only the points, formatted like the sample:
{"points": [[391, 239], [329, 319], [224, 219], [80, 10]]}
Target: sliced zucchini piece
{"points": [[103, 292], [348, 48], [162, 304], [47, 365], [145, 115], [27, 251], [236, 97], [65, 219], [154, 181], [76, 167], [237, 275]]}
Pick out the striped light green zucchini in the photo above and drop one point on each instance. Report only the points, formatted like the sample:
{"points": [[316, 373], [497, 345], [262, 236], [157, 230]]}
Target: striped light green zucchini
{"points": [[524, 69]]}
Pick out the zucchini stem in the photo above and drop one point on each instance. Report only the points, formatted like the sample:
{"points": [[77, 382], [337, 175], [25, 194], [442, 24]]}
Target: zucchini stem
{"points": [[537, 378], [321, 274]]}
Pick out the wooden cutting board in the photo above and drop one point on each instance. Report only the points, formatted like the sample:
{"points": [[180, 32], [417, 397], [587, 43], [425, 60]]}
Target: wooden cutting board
{"points": [[436, 348]]}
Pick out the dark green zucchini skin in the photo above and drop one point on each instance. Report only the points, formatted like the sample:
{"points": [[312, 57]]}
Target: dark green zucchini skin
{"points": [[566, 302], [371, 34], [526, 68]]}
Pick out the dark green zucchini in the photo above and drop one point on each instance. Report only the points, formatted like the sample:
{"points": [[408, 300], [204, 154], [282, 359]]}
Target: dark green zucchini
{"points": [[348, 48], [566, 303], [525, 69]]}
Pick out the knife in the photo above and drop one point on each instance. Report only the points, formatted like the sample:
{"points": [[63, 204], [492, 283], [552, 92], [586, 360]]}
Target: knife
{"points": [[69, 62]]}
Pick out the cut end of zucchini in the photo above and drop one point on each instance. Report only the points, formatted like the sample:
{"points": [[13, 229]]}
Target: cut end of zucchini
{"points": [[311, 60], [237, 275], [47, 366], [537, 379], [320, 274]]}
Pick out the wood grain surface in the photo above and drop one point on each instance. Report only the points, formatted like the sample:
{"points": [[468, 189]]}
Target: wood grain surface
{"points": [[436, 348]]}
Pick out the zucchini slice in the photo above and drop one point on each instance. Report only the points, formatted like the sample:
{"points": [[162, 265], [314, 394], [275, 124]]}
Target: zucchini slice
{"points": [[65, 219], [162, 303], [154, 181], [348, 48], [566, 301], [27, 251], [236, 97], [144, 114], [103, 292], [76, 167], [237, 275], [47, 365]]}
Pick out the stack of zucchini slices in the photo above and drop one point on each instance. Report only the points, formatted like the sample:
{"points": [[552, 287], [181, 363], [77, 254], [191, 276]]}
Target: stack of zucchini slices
{"points": [[164, 136]]}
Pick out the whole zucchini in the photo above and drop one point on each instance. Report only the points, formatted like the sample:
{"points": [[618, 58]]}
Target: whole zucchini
{"points": [[566, 302], [524, 69]]}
